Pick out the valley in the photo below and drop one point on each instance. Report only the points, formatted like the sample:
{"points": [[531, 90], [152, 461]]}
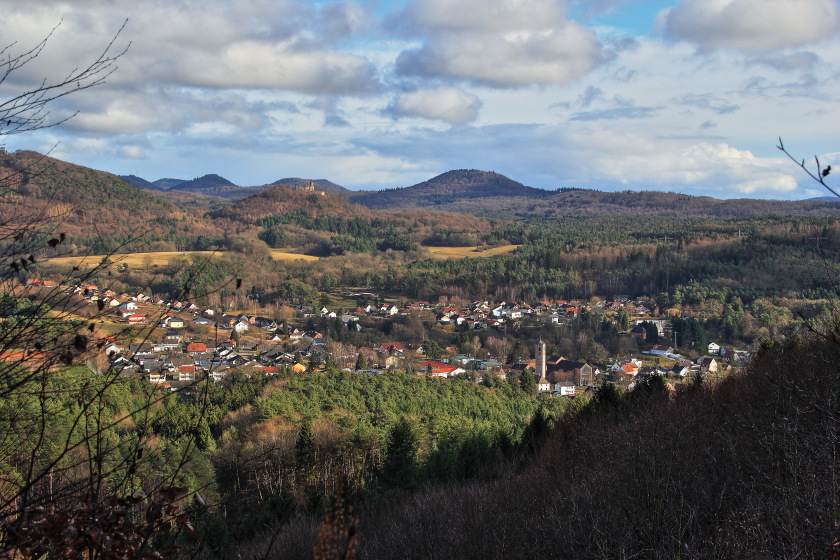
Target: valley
{"points": [[280, 348]]}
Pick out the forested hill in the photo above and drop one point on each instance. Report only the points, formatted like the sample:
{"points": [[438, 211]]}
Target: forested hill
{"points": [[282, 199], [139, 182], [215, 185], [449, 189], [491, 194], [574, 202], [85, 200], [205, 182]]}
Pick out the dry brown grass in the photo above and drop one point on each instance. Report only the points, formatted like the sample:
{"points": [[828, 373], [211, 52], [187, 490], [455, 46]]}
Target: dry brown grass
{"points": [[283, 255], [463, 252], [134, 260], [142, 260]]}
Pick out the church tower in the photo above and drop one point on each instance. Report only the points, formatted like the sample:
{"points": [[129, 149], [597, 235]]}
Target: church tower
{"points": [[540, 360]]}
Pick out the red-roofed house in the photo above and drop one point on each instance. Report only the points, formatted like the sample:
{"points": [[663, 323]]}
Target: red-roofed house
{"points": [[436, 369], [391, 348], [196, 347]]}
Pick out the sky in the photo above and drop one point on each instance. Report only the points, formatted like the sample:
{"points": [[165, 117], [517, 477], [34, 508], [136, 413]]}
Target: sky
{"points": [[685, 96]]}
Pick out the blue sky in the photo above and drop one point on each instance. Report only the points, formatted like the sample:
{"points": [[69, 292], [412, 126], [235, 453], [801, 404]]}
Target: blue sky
{"points": [[677, 95]]}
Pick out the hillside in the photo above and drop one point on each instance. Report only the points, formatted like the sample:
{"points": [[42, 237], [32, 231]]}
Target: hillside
{"points": [[138, 182], [280, 199], [589, 202], [169, 183], [447, 190], [87, 201], [97, 210], [210, 181], [490, 194]]}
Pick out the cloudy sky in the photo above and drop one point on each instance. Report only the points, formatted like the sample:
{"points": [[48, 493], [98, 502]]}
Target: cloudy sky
{"points": [[678, 95]]}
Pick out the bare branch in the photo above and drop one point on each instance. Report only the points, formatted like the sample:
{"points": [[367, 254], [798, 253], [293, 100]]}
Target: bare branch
{"points": [[27, 111], [819, 176]]}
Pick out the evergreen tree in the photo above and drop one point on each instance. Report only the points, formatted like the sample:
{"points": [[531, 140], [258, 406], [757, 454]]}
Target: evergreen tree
{"points": [[527, 382], [623, 320], [400, 469], [432, 350]]}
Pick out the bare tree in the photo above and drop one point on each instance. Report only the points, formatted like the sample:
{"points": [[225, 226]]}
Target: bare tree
{"points": [[28, 111], [70, 470]]}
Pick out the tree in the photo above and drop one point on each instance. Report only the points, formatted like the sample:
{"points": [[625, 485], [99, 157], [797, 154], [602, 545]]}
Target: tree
{"points": [[652, 332], [623, 320], [527, 382], [361, 363], [400, 468], [71, 478], [431, 350]]}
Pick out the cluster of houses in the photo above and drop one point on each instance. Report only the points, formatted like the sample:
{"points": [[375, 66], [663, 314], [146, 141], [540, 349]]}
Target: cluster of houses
{"points": [[177, 358]]}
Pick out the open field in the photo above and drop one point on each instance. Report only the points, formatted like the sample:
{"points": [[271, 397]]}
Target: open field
{"points": [[283, 255], [142, 260], [133, 260], [463, 252]]}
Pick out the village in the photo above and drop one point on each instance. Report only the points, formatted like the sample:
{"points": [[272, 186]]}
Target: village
{"points": [[184, 342]]}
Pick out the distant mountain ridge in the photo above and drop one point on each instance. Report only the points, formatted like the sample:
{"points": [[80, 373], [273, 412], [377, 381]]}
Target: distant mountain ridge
{"points": [[489, 194], [447, 188], [138, 182], [206, 182], [216, 185], [168, 183]]}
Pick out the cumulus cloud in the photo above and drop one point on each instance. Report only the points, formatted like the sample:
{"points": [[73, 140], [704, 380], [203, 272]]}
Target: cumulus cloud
{"points": [[508, 43], [754, 26], [285, 45], [173, 111], [251, 64], [446, 104]]}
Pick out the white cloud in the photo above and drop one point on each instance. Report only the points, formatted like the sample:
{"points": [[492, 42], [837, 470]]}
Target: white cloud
{"points": [[446, 104], [498, 16], [251, 64], [755, 26], [283, 45], [510, 43]]}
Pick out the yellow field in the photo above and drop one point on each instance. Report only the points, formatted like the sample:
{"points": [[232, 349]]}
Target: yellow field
{"points": [[141, 260], [281, 255], [463, 252], [134, 260]]}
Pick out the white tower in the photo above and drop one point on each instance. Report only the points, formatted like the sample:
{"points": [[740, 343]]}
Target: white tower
{"points": [[540, 360]]}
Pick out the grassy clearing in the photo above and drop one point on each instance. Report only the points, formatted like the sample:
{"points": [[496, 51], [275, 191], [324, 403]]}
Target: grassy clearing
{"points": [[145, 260], [283, 255], [463, 252], [134, 260]]}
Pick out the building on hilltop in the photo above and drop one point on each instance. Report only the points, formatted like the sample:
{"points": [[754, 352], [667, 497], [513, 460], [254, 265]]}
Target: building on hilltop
{"points": [[310, 188]]}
